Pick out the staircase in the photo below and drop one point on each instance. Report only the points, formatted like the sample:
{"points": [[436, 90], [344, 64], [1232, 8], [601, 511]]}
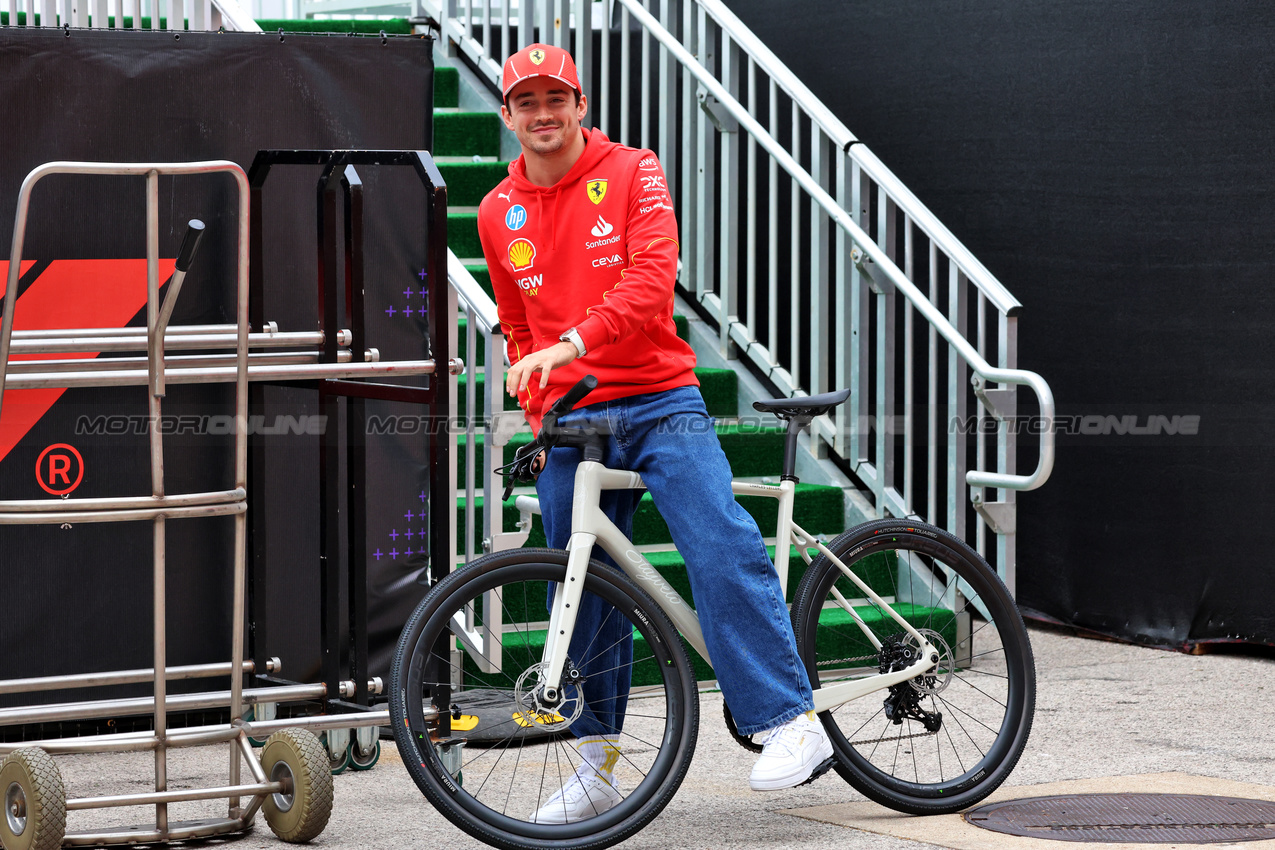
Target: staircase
{"points": [[467, 148]]}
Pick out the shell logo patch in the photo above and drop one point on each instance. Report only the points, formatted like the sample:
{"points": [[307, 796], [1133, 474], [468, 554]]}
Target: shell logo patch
{"points": [[597, 190], [537, 56], [521, 254]]}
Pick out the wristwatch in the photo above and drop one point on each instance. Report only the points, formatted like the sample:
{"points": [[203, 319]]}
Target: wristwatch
{"points": [[573, 336]]}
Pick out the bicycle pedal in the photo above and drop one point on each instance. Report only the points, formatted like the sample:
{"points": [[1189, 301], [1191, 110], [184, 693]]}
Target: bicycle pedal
{"points": [[824, 767]]}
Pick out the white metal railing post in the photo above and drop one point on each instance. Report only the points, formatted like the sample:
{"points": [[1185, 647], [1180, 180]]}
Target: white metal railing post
{"points": [[626, 75], [820, 318], [1007, 457], [584, 50], [884, 294], [909, 380], [772, 268], [794, 253], [860, 192], [706, 161], [957, 406], [728, 205], [645, 89], [526, 23], [843, 330], [666, 147]]}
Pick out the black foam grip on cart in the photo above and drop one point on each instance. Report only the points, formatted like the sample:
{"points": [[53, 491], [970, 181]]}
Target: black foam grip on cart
{"points": [[190, 244]]}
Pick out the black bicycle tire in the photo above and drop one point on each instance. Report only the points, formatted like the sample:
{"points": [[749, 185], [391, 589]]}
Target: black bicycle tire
{"points": [[976, 783], [449, 798]]}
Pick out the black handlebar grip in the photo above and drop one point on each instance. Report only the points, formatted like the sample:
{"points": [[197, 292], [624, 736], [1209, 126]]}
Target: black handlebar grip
{"points": [[190, 244], [583, 387]]}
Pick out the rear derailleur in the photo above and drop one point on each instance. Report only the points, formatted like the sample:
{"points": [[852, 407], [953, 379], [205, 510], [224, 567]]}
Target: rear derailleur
{"points": [[904, 699]]}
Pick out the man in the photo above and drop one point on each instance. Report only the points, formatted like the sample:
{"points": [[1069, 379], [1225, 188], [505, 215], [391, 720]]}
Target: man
{"points": [[581, 244]]}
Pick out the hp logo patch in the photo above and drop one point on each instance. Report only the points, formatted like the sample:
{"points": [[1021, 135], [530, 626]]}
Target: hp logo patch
{"points": [[516, 217]]}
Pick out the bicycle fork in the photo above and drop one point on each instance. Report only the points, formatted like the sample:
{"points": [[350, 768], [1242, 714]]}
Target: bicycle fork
{"points": [[585, 513]]}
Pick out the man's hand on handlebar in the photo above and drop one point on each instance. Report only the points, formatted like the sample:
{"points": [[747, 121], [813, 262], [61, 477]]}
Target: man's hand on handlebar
{"points": [[543, 361], [530, 460]]}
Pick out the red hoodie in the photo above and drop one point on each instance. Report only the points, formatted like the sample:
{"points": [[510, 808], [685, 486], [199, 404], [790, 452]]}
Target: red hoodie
{"points": [[597, 252]]}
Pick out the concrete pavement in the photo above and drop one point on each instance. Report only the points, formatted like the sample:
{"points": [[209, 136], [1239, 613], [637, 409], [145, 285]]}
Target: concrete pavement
{"points": [[1104, 710]]}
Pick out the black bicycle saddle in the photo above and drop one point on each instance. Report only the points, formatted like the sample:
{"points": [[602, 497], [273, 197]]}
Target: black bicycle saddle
{"points": [[807, 407]]}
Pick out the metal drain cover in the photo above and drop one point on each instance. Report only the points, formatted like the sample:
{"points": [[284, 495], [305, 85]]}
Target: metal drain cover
{"points": [[1131, 818]]}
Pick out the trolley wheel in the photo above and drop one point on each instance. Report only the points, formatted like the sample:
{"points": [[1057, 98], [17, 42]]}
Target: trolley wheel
{"points": [[336, 764], [34, 801], [363, 762], [297, 759]]}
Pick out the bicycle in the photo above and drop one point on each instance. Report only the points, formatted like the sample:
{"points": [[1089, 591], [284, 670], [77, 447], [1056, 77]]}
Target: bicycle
{"points": [[890, 606]]}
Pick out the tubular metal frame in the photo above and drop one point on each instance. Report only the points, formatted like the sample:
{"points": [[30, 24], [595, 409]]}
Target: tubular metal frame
{"points": [[159, 506]]}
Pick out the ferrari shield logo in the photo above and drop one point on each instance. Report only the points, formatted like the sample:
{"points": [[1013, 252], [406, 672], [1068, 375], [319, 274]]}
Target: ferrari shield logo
{"points": [[597, 190], [537, 56]]}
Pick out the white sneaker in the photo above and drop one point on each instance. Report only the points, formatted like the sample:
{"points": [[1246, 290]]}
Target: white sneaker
{"points": [[791, 754], [582, 797]]}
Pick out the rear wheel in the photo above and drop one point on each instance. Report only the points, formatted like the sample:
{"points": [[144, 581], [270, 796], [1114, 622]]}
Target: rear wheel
{"points": [[944, 740], [506, 748]]}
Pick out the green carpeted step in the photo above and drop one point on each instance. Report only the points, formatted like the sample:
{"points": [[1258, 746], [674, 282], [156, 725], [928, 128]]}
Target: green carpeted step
{"points": [[466, 134], [750, 451], [838, 637], [446, 87], [718, 386], [817, 508], [469, 182], [462, 235]]}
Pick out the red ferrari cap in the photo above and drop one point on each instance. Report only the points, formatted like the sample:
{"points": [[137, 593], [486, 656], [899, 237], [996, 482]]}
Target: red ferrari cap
{"points": [[539, 60]]}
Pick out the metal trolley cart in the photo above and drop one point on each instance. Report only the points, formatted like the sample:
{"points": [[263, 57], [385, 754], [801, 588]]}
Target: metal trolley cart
{"points": [[292, 783]]}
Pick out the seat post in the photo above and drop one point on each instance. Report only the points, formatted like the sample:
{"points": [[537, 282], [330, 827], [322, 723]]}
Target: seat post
{"points": [[795, 424]]}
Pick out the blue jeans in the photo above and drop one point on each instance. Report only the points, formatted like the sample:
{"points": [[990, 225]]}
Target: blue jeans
{"points": [[668, 439]]}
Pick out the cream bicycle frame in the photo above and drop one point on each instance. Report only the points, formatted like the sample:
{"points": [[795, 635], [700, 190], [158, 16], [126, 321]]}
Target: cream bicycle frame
{"points": [[590, 527]]}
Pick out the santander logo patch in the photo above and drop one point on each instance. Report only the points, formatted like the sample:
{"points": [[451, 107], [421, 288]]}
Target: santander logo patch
{"points": [[602, 228]]}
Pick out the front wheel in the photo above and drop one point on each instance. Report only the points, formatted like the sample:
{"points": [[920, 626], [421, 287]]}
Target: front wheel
{"points": [[944, 740], [489, 748]]}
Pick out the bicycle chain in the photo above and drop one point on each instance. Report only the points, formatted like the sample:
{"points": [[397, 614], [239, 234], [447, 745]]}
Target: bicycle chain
{"points": [[895, 738], [833, 661]]}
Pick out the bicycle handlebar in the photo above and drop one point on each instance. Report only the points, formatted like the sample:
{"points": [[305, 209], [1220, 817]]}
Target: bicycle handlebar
{"points": [[520, 469], [563, 406]]}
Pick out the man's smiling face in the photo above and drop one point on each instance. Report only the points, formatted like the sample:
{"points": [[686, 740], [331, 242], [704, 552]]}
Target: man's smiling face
{"points": [[545, 115]]}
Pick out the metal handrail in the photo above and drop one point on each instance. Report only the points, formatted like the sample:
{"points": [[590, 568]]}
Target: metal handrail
{"points": [[881, 258], [472, 295]]}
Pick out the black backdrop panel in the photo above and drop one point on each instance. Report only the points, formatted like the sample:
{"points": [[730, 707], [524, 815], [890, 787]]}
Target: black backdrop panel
{"points": [[1110, 163], [79, 599]]}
